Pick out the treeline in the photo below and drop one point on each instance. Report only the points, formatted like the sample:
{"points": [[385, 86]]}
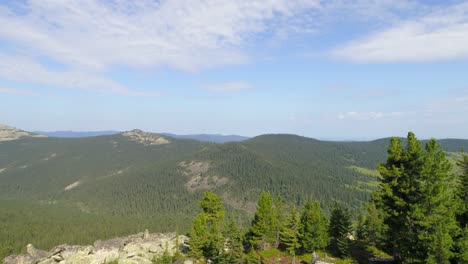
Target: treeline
{"points": [[418, 214], [218, 239], [46, 226]]}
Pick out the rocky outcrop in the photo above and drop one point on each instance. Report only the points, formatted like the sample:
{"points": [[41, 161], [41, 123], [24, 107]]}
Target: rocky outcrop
{"points": [[141, 248], [145, 138], [10, 133]]}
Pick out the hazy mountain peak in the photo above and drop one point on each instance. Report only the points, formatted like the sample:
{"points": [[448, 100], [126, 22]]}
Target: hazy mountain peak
{"points": [[145, 138], [8, 133]]}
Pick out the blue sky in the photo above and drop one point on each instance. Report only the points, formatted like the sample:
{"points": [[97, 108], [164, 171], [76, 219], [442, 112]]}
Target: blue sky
{"points": [[326, 69]]}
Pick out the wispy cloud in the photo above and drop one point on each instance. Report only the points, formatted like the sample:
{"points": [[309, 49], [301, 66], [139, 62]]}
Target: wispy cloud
{"points": [[367, 115], [183, 34], [19, 92], [439, 35], [20, 68], [228, 86]]}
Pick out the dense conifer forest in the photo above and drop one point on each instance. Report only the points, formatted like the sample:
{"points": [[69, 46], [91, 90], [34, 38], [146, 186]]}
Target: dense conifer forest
{"points": [[313, 194], [416, 215]]}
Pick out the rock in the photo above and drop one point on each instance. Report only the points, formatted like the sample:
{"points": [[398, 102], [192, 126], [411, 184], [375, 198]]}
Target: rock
{"points": [[135, 260], [56, 250], [140, 248], [48, 261], [146, 234], [20, 259], [35, 253]]}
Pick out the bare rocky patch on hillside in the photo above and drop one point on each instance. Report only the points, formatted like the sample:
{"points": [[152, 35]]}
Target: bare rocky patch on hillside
{"points": [[8, 133], [199, 179], [140, 248], [145, 138], [72, 186]]}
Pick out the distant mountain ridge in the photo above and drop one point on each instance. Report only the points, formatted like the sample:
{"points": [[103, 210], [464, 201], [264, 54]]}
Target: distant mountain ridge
{"points": [[76, 134], [8, 133], [215, 138], [138, 179]]}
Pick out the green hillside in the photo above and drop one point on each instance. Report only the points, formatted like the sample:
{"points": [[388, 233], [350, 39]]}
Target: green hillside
{"points": [[142, 179]]}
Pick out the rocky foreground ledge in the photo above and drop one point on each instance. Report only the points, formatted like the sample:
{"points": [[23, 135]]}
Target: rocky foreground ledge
{"points": [[141, 248]]}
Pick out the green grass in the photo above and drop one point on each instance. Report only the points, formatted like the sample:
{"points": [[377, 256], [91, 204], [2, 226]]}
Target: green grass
{"points": [[270, 253], [377, 252], [365, 171]]}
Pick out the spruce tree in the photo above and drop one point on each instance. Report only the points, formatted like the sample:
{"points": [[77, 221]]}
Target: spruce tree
{"points": [[463, 246], [290, 233], [198, 235], [262, 232], [462, 210], [371, 227], [415, 196], [434, 214], [313, 228], [206, 232], [339, 230], [280, 219], [462, 215], [396, 193], [233, 247]]}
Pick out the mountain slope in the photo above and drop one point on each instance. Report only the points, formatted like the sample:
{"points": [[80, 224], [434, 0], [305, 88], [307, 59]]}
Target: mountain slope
{"points": [[76, 134], [215, 138], [8, 133], [137, 179]]}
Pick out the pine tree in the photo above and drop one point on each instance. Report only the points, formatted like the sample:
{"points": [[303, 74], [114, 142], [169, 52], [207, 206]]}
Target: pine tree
{"points": [[198, 236], [435, 212], [395, 194], [462, 210], [262, 232], [371, 227], [339, 230], [205, 234], [415, 196], [233, 251], [463, 246], [280, 219], [462, 215], [290, 233], [313, 228]]}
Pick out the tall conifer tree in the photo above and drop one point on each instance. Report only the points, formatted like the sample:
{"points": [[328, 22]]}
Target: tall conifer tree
{"points": [[339, 230], [290, 233], [313, 229], [417, 201], [206, 237], [262, 232]]}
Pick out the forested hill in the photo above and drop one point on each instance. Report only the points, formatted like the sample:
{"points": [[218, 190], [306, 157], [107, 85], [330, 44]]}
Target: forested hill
{"points": [[137, 175]]}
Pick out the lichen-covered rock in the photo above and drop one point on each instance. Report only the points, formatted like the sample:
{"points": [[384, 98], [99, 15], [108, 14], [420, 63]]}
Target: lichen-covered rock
{"points": [[134, 249]]}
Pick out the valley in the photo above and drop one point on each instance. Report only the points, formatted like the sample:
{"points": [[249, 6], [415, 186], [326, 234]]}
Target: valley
{"points": [[109, 185]]}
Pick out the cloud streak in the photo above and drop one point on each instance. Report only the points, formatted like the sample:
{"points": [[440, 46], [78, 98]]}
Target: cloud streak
{"points": [[367, 115], [228, 86], [26, 70], [183, 34], [440, 35], [19, 92]]}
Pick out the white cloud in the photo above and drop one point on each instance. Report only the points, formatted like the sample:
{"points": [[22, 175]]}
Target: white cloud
{"points": [[183, 34], [367, 115], [438, 35], [91, 38], [25, 70], [20, 92], [228, 86]]}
